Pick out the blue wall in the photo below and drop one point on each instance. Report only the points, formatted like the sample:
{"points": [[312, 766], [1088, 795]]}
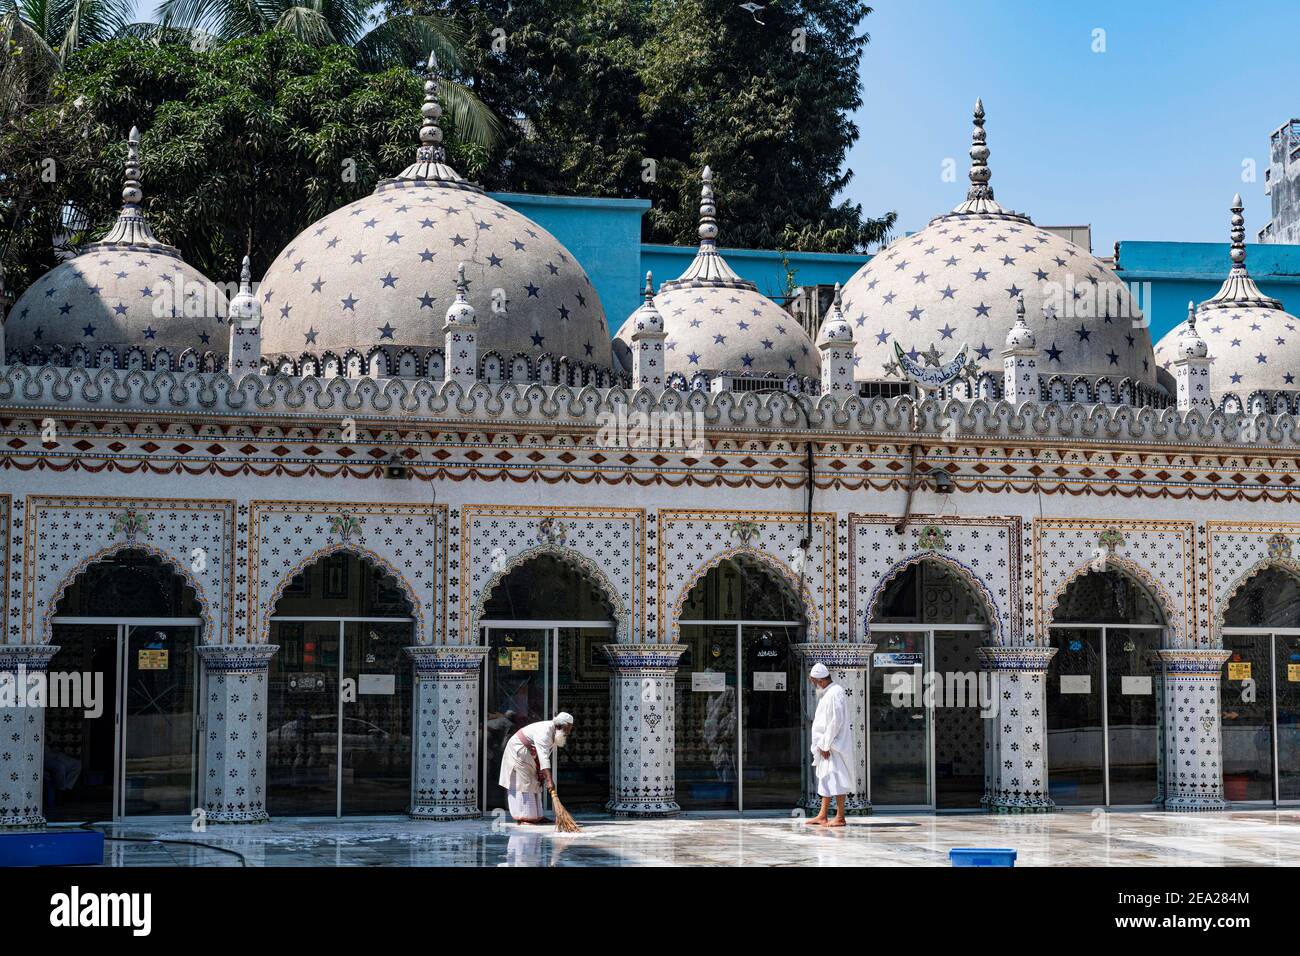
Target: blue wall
{"points": [[605, 236], [1193, 271]]}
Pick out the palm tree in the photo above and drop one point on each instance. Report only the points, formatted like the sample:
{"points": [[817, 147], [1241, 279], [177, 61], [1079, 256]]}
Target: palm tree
{"points": [[405, 39]]}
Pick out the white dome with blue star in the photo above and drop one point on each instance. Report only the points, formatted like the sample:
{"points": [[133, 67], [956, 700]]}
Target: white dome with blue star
{"points": [[959, 280], [1253, 344], [381, 272], [719, 323], [126, 291]]}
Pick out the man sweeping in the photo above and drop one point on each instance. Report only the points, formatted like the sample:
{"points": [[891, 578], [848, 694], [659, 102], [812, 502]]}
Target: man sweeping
{"points": [[833, 753], [526, 766]]}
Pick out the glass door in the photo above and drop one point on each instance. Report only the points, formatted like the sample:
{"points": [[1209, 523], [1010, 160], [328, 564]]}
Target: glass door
{"points": [[518, 692], [582, 688], [958, 721], [303, 718], [770, 720], [1246, 715], [1132, 718], [1286, 684], [706, 751], [81, 739], [899, 721], [159, 688], [1076, 751], [376, 764]]}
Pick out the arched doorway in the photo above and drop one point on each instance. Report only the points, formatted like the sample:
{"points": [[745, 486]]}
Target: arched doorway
{"points": [[1260, 690], [927, 749], [546, 622], [1103, 712], [339, 721], [737, 691], [120, 733]]}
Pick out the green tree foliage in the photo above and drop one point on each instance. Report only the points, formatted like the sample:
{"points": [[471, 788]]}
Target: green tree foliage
{"points": [[599, 89], [243, 145]]}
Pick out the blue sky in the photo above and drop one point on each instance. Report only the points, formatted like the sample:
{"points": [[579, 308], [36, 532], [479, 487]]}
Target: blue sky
{"points": [[1143, 141]]}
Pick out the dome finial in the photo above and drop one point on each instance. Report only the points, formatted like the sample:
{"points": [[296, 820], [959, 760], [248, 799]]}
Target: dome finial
{"points": [[649, 287], [708, 212], [131, 228], [1238, 235], [1190, 344], [980, 174], [431, 150], [246, 277], [1239, 289], [460, 312]]}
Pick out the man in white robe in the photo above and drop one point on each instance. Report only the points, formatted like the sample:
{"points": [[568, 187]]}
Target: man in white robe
{"points": [[833, 751], [526, 766]]}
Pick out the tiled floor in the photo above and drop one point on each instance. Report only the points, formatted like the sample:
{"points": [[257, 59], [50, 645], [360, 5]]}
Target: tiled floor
{"points": [[1256, 837]]}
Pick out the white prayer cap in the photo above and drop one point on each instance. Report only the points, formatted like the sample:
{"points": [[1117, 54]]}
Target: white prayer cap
{"points": [[563, 718], [819, 671]]}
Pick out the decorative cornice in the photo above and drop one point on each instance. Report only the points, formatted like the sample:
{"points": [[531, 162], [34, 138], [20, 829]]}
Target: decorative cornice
{"points": [[1192, 663], [236, 658], [416, 403], [1016, 658], [33, 658], [446, 660], [644, 657]]}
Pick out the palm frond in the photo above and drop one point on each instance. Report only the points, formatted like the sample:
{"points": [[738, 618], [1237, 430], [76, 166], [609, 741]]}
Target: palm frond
{"points": [[227, 19], [29, 63], [306, 24], [473, 120], [406, 40]]}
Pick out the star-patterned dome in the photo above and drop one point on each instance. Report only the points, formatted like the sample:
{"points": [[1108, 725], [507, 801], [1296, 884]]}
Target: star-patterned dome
{"points": [[718, 322], [958, 281], [1252, 342], [381, 271], [128, 290]]}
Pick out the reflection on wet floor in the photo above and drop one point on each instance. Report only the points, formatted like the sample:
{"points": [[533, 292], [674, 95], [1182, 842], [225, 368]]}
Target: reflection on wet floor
{"points": [[1058, 839]]}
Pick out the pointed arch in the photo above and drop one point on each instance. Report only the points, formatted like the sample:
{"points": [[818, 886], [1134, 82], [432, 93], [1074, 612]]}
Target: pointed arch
{"points": [[209, 629], [1160, 597], [574, 559], [972, 580], [361, 553], [796, 586], [1288, 566]]}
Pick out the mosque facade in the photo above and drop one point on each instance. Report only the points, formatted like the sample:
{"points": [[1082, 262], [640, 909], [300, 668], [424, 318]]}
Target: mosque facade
{"points": [[329, 540]]}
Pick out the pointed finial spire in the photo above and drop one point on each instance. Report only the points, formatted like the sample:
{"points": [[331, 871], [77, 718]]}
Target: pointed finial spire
{"points": [[708, 212], [131, 191], [431, 150], [1191, 316], [1239, 289], [1238, 253], [980, 174], [131, 228], [246, 277], [649, 288], [460, 312]]}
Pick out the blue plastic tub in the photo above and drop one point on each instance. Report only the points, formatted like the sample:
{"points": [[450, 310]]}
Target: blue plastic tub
{"points": [[973, 856], [52, 848]]}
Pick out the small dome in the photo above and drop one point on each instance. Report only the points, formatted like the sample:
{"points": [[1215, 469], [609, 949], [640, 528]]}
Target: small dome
{"points": [[959, 280], [1021, 335], [646, 319], [378, 272], [719, 323], [835, 329], [1253, 343], [128, 290]]}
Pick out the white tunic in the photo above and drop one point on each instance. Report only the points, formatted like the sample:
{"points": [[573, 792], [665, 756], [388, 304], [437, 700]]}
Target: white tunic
{"points": [[832, 731], [518, 761]]}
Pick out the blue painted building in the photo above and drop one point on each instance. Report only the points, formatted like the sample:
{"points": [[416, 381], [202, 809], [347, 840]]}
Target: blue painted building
{"points": [[1173, 273], [605, 236]]}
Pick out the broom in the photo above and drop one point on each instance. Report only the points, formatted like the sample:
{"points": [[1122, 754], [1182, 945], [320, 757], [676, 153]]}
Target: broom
{"points": [[564, 822]]}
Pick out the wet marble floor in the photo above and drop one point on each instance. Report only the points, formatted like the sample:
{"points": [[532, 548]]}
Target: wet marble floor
{"points": [[1126, 839]]}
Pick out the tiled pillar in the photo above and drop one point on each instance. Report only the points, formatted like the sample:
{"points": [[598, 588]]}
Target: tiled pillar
{"points": [[1190, 733], [1015, 768], [642, 729], [445, 759], [22, 736], [234, 730], [848, 664]]}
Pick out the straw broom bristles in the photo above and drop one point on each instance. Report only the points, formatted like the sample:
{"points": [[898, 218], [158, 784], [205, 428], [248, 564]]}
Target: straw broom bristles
{"points": [[564, 822]]}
